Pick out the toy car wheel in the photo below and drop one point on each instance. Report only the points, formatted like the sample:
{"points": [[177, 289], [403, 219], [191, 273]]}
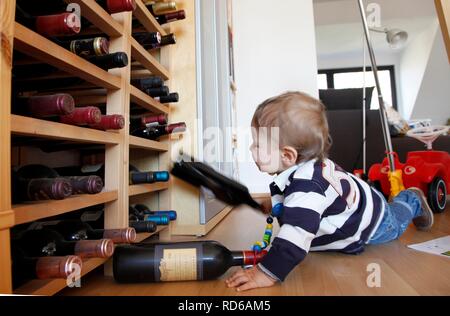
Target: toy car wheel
{"points": [[437, 195]]}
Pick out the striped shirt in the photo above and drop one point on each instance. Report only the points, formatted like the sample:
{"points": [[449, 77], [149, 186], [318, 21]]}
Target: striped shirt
{"points": [[324, 209]]}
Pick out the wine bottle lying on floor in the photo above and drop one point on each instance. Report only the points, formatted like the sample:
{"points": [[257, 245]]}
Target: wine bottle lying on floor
{"points": [[185, 261]]}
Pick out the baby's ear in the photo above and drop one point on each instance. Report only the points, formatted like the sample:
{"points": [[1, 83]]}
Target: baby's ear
{"points": [[289, 155]]}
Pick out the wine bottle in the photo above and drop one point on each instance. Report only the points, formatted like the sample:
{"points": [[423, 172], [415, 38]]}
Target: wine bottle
{"points": [[159, 8], [26, 268], [170, 17], [53, 6], [110, 61], [142, 121], [138, 177], [109, 122], [62, 24], [185, 261], [117, 6], [46, 242], [94, 216], [171, 98], [74, 230], [86, 185], [148, 38], [135, 176], [97, 46], [89, 115], [44, 106], [154, 132], [158, 92], [144, 227], [169, 39], [144, 210], [36, 182], [146, 83]]}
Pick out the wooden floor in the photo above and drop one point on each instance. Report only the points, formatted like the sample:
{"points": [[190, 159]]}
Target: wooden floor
{"points": [[403, 271]]}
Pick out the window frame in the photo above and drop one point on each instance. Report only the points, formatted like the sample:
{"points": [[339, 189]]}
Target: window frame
{"points": [[391, 68]]}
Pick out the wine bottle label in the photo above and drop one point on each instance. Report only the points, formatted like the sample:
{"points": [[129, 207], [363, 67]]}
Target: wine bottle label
{"points": [[91, 168], [178, 264]]}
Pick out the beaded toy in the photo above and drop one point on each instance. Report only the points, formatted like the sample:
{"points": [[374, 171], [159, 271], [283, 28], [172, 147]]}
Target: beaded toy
{"points": [[261, 245]]}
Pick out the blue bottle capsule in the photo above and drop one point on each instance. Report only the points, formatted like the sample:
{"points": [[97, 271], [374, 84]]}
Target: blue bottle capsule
{"points": [[158, 220], [171, 214]]}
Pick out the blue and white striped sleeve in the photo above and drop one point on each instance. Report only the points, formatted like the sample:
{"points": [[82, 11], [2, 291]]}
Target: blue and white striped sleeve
{"points": [[304, 204]]}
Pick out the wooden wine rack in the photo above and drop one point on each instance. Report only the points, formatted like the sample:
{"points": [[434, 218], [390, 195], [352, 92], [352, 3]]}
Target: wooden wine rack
{"points": [[118, 144]]}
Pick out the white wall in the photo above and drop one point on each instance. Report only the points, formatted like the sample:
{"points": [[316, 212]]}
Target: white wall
{"points": [[433, 100], [275, 51], [413, 64]]}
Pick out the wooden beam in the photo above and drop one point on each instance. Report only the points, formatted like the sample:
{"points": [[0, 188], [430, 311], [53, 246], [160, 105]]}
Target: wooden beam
{"points": [[7, 16], [443, 12]]}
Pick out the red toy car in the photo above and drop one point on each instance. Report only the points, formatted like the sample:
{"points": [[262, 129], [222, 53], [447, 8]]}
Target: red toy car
{"points": [[427, 170]]}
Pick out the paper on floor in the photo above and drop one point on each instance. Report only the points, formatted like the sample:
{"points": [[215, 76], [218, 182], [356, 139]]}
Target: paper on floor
{"points": [[440, 247]]}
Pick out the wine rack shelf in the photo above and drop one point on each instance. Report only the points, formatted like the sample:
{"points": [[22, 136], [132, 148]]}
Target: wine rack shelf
{"points": [[31, 43], [27, 126], [139, 189], [112, 88], [147, 60], [99, 17], [33, 211], [140, 143], [51, 287], [147, 102], [147, 19]]}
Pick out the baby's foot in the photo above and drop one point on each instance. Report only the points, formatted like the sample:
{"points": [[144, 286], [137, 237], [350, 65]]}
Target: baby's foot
{"points": [[426, 220]]}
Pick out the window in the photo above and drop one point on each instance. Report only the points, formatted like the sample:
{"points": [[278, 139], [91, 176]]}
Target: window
{"points": [[353, 78]]}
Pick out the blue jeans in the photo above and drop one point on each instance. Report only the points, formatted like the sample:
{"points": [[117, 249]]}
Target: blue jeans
{"points": [[397, 216]]}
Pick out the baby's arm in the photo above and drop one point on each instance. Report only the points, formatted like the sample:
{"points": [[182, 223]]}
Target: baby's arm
{"points": [[304, 205]]}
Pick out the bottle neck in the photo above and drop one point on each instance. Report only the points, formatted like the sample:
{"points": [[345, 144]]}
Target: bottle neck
{"points": [[243, 258]]}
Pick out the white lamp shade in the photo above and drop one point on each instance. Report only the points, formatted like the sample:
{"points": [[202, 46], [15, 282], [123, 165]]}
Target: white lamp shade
{"points": [[396, 38]]}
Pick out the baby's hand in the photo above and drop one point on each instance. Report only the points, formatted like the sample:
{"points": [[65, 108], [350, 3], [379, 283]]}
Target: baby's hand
{"points": [[252, 278]]}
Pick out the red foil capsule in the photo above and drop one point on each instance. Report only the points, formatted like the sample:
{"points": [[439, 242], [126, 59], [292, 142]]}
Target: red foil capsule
{"points": [[176, 128], [252, 257], [126, 235], [160, 119], [57, 267], [110, 122], [58, 25], [51, 105], [103, 248], [116, 6], [89, 115]]}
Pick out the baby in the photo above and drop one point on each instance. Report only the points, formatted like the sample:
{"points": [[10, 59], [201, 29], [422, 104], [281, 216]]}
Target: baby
{"points": [[324, 208]]}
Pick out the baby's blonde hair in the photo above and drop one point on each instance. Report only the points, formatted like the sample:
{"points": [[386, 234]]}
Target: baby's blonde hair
{"points": [[302, 121]]}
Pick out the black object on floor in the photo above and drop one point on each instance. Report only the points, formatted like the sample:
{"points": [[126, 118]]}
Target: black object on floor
{"points": [[225, 189]]}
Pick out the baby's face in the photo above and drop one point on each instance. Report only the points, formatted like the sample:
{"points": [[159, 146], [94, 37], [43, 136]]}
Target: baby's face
{"points": [[266, 151]]}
